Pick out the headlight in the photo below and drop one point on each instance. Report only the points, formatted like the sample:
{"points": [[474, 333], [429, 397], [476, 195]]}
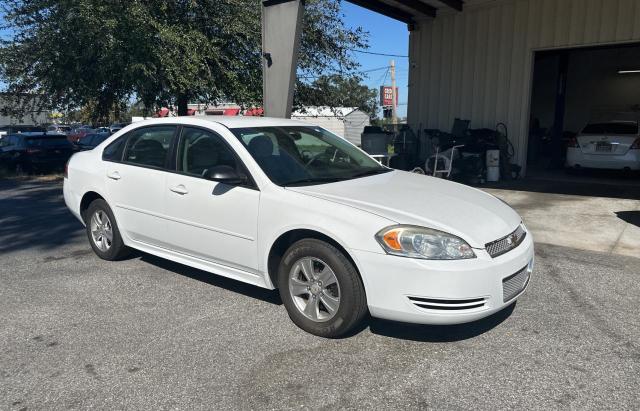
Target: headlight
{"points": [[425, 243]]}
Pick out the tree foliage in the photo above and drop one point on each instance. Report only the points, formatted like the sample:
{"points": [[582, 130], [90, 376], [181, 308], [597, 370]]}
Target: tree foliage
{"points": [[75, 53], [338, 91]]}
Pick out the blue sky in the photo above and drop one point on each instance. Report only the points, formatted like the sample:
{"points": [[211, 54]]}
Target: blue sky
{"points": [[386, 36]]}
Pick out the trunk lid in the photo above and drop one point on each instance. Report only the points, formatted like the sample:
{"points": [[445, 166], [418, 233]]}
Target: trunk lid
{"points": [[608, 139]]}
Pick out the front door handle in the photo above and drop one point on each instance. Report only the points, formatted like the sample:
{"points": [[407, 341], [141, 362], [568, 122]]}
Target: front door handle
{"points": [[180, 189], [114, 175]]}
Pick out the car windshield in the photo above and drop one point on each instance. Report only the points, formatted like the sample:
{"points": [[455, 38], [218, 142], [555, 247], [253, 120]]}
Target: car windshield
{"points": [[611, 128], [305, 155]]}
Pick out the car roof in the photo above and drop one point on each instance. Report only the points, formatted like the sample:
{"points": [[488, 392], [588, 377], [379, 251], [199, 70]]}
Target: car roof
{"points": [[228, 121], [35, 134]]}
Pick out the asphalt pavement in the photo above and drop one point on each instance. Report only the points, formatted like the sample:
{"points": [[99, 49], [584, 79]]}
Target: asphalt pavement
{"points": [[77, 332]]}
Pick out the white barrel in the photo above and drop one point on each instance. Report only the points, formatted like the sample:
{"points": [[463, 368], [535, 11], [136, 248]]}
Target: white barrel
{"points": [[493, 165]]}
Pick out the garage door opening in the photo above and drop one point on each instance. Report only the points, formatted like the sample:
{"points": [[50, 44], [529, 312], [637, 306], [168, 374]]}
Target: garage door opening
{"points": [[571, 89]]}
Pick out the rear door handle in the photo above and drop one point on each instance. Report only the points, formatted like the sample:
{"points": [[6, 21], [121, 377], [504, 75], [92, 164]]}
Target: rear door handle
{"points": [[114, 176], [180, 189]]}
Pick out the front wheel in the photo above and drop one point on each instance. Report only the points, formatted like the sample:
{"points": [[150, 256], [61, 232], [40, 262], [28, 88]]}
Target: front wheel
{"points": [[103, 232], [321, 289]]}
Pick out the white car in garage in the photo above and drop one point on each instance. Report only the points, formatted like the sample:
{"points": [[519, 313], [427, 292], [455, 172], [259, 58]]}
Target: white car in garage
{"points": [[613, 145], [284, 204]]}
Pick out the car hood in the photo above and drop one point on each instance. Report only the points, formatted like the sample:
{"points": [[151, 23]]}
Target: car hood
{"points": [[408, 198]]}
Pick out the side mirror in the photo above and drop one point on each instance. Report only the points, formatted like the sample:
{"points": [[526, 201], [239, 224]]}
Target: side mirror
{"points": [[226, 175]]}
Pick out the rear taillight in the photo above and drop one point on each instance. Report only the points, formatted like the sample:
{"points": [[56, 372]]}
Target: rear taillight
{"points": [[636, 144], [573, 142]]}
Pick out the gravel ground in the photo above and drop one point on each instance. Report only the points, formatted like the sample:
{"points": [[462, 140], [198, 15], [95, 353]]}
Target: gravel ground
{"points": [[79, 332]]}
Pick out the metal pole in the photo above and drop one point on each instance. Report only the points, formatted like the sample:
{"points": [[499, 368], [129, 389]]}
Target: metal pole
{"points": [[394, 102]]}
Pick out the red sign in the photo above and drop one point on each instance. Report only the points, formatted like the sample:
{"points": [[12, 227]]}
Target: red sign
{"points": [[386, 96]]}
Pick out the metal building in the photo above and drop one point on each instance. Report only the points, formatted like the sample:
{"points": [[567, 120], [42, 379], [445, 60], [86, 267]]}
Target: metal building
{"points": [[346, 122]]}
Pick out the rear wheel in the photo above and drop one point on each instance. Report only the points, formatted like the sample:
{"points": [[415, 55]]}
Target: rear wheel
{"points": [[321, 289], [103, 232]]}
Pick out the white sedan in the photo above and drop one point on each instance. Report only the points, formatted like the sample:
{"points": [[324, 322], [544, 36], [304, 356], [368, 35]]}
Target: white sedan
{"points": [[282, 204], [613, 145]]}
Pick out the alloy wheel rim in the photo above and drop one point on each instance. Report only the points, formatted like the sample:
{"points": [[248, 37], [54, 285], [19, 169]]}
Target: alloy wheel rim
{"points": [[101, 230], [314, 288]]}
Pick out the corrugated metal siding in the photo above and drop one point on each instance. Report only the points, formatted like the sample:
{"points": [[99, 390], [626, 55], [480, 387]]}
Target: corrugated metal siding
{"points": [[354, 125], [477, 64], [333, 124]]}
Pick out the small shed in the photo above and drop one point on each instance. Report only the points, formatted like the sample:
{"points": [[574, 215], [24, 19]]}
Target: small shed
{"points": [[347, 122]]}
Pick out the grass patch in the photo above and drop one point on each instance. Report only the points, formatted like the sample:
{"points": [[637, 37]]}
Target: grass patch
{"points": [[6, 174]]}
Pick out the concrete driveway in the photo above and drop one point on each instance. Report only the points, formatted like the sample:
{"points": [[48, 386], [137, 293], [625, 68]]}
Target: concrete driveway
{"points": [[603, 224], [78, 332]]}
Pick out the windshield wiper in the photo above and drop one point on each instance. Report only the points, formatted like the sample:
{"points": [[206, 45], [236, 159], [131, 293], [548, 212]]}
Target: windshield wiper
{"points": [[304, 181], [312, 180]]}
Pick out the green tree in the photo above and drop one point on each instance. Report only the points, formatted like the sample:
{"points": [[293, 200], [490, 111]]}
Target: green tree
{"points": [[78, 53], [338, 91]]}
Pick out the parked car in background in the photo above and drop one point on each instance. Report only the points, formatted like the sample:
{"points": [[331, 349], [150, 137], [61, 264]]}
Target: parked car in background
{"points": [[115, 127], [613, 145], [34, 152], [77, 134], [285, 204], [90, 141], [59, 128], [20, 128]]}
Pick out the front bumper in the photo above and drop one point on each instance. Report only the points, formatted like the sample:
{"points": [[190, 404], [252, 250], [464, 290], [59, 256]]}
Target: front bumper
{"points": [[443, 292]]}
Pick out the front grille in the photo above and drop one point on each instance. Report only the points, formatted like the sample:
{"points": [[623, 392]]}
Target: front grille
{"points": [[514, 284], [506, 243], [448, 305]]}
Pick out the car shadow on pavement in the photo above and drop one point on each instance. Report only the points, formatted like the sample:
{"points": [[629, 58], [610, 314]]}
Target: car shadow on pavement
{"points": [[439, 333], [33, 215], [631, 217], [252, 291]]}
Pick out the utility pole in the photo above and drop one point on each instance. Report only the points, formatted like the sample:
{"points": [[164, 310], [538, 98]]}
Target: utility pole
{"points": [[394, 107]]}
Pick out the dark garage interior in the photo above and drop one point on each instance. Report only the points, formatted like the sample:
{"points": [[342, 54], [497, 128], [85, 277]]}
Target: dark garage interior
{"points": [[571, 88]]}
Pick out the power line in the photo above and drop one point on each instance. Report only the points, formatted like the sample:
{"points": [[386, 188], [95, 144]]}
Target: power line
{"points": [[378, 54], [375, 69], [384, 79], [311, 76]]}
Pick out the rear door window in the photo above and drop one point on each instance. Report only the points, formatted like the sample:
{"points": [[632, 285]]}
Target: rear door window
{"points": [[202, 150], [149, 146]]}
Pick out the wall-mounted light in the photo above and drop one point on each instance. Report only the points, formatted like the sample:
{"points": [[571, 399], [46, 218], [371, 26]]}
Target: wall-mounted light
{"points": [[629, 71]]}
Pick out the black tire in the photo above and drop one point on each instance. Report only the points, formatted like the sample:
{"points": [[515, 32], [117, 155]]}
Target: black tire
{"points": [[117, 250], [352, 308]]}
